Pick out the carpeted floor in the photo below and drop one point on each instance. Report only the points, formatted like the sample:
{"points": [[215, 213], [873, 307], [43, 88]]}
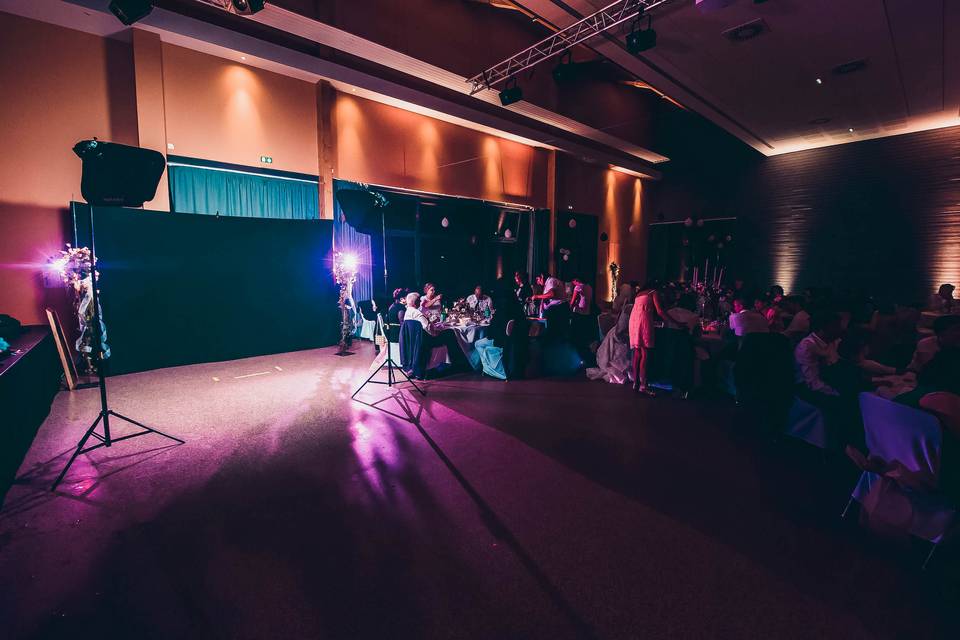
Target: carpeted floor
{"points": [[530, 509]]}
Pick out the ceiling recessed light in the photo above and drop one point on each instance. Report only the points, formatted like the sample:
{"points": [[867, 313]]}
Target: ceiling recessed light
{"points": [[850, 129], [819, 81], [243, 57]]}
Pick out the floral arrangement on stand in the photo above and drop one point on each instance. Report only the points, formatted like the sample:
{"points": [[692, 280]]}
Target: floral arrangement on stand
{"points": [[614, 280], [74, 266], [345, 274]]}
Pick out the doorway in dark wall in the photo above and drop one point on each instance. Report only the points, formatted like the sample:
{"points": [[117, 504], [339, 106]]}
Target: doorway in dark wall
{"points": [[576, 249]]}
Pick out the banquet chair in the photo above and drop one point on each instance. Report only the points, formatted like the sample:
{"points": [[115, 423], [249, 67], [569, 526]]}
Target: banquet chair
{"points": [[605, 322], [806, 422], [367, 328], [908, 443], [492, 359], [763, 375], [415, 354]]}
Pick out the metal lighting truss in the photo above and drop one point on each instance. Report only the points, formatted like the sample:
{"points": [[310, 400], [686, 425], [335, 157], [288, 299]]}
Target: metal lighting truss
{"points": [[578, 32]]}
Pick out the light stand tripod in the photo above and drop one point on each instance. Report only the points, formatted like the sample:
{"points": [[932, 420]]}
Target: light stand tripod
{"points": [[106, 439], [390, 365]]}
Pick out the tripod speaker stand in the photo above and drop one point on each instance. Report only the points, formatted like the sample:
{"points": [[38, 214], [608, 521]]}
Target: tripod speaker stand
{"points": [[100, 185], [391, 366]]}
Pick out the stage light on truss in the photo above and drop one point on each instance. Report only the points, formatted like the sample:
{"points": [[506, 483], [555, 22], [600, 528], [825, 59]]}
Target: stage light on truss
{"points": [[247, 7], [511, 93], [640, 40]]}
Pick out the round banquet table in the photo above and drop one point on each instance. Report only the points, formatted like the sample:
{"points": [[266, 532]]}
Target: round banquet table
{"points": [[466, 336]]}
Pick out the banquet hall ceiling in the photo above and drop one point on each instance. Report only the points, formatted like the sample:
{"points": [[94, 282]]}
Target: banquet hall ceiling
{"points": [[764, 90]]}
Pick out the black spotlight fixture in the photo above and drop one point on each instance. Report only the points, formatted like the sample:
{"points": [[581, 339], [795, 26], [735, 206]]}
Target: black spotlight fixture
{"points": [[129, 11], [511, 92], [640, 40], [247, 7], [566, 71]]}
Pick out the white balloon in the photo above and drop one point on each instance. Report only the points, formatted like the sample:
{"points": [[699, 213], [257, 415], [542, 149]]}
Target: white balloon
{"points": [[632, 228], [566, 257], [508, 234], [445, 223], [572, 224]]}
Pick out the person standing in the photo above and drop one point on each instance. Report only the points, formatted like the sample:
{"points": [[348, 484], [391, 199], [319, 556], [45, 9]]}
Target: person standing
{"points": [[646, 307], [581, 307]]}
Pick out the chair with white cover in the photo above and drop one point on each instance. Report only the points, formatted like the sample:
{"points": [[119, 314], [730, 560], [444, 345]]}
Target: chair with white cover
{"points": [[367, 329], [907, 442], [806, 422]]}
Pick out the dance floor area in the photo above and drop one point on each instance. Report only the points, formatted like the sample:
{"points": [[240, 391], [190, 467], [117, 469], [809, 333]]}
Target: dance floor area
{"points": [[552, 508]]}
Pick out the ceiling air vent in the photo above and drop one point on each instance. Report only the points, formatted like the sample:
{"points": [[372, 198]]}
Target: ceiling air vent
{"points": [[849, 67], [747, 31]]}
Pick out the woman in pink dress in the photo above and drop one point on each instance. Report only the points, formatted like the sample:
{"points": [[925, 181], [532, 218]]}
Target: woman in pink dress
{"points": [[646, 307]]}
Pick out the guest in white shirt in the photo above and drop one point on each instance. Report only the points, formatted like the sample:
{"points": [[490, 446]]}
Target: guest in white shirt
{"points": [[817, 352], [946, 331], [745, 319], [414, 312], [553, 292], [478, 301]]}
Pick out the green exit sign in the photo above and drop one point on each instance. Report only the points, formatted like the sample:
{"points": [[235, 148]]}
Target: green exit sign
{"points": [[266, 159]]}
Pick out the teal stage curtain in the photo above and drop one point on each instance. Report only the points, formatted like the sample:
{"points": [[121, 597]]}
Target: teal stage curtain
{"points": [[349, 240], [232, 193]]}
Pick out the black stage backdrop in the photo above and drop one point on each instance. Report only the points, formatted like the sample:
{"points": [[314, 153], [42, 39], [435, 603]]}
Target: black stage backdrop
{"points": [[183, 288]]}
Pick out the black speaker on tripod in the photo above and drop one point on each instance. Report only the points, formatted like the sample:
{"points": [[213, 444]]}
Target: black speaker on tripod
{"points": [[113, 175]]}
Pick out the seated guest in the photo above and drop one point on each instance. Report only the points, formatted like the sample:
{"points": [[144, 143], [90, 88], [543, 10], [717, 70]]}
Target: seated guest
{"points": [[745, 319], [395, 312], [479, 301], [414, 311], [942, 373], [431, 299], [817, 352], [946, 330], [775, 294], [433, 336], [854, 371], [681, 315], [800, 323], [821, 383], [942, 301]]}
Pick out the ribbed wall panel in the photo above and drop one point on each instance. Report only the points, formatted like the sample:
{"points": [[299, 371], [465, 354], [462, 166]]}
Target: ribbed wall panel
{"points": [[881, 216]]}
